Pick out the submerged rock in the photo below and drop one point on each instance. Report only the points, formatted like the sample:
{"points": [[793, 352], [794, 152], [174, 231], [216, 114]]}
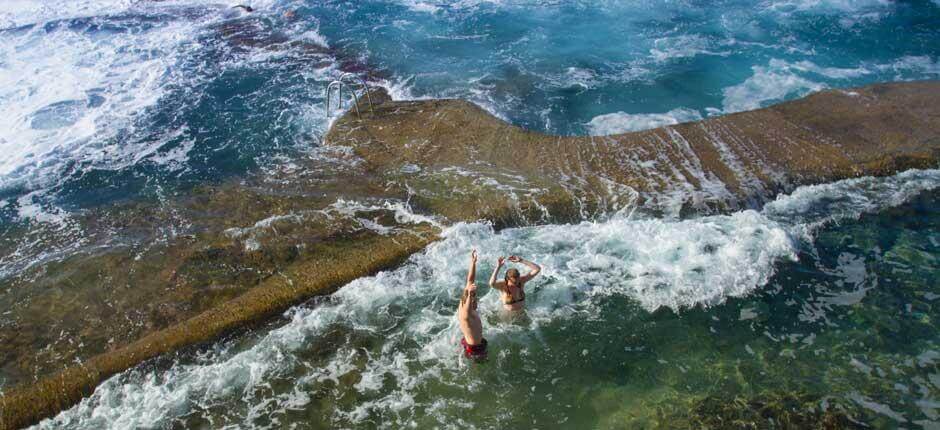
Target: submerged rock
{"points": [[768, 411]]}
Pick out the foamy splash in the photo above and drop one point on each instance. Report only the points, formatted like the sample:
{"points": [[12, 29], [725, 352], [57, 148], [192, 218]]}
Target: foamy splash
{"points": [[657, 263], [70, 87], [82, 84], [781, 79], [622, 122]]}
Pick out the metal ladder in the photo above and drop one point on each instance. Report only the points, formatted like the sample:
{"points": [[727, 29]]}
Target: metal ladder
{"points": [[338, 84]]}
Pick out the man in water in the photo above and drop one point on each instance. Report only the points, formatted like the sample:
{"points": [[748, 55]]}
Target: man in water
{"points": [[474, 345], [513, 286]]}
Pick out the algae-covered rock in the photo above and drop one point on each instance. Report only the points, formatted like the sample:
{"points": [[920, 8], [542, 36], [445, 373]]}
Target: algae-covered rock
{"points": [[723, 163], [336, 263], [222, 255], [769, 411]]}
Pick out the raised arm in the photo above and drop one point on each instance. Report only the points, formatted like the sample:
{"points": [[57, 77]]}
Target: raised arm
{"points": [[499, 265], [472, 274], [534, 269]]}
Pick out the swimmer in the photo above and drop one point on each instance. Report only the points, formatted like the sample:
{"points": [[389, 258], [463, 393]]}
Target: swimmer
{"points": [[473, 343], [512, 286]]}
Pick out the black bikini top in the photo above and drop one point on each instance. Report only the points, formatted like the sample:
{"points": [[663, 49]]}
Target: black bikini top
{"points": [[520, 299]]}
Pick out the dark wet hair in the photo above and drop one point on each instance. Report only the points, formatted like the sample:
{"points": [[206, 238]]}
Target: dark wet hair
{"points": [[512, 274]]}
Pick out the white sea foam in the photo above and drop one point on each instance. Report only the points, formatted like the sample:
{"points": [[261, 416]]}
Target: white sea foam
{"points": [[850, 12], [830, 6], [401, 211], [421, 6], [78, 86], [315, 37], [435, 6], [622, 122], [66, 92], [77, 94], [921, 64], [658, 263], [17, 13], [811, 207], [30, 209], [399, 89], [54, 233], [682, 46], [771, 83], [781, 79], [578, 76], [251, 236], [829, 72]]}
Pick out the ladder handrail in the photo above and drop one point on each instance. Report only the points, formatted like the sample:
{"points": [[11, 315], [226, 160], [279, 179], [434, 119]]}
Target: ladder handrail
{"points": [[339, 90], [329, 92], [362, 83]]}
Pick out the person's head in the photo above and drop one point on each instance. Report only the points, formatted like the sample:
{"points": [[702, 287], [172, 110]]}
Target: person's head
{"points": [[512, 277]]}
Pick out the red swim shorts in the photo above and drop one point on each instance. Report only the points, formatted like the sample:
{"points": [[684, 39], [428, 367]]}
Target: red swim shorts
{"points": [[474, 352]]}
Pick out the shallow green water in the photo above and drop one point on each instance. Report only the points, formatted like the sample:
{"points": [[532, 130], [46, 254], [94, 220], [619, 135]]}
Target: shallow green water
{"points": [[806, 325]]}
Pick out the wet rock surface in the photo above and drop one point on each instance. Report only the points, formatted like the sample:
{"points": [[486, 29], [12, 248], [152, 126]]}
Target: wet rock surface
{"points": [[378, 191], [725, 163], [246, 251]]}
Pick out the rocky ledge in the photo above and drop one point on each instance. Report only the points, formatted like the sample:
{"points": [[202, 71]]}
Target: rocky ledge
{"points": [[453, 147], [256, 247]]}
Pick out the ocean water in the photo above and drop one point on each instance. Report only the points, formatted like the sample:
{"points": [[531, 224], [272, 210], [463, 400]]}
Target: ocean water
{"points": [[824, 296], [110, 99]]}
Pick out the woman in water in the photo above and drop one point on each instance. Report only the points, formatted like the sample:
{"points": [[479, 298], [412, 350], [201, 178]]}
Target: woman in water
{"points": [[512, 287]]}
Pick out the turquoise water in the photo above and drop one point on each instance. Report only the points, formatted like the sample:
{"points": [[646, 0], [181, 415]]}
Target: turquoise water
{"points": [[111, 99], [821, 303], [556, 66]]}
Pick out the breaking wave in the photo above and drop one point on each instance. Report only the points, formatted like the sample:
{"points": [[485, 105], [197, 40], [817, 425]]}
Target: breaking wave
{"points": [[656, 263]]}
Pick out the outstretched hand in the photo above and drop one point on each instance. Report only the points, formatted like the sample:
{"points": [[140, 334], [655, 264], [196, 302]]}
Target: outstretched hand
{"points": [[500, 261], [514, 259], [473, 256]]}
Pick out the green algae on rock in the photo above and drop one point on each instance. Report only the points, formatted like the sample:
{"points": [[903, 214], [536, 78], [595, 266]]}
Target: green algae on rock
{"points": [[718, 164], [337, 263], [111, 308]]}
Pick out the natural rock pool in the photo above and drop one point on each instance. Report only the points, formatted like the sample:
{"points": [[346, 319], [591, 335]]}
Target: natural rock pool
{"points": [[817, 310], [167, 190]]}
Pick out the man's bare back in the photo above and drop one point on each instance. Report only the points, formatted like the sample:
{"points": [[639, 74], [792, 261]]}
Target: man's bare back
{"points": [[470, 323]]}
